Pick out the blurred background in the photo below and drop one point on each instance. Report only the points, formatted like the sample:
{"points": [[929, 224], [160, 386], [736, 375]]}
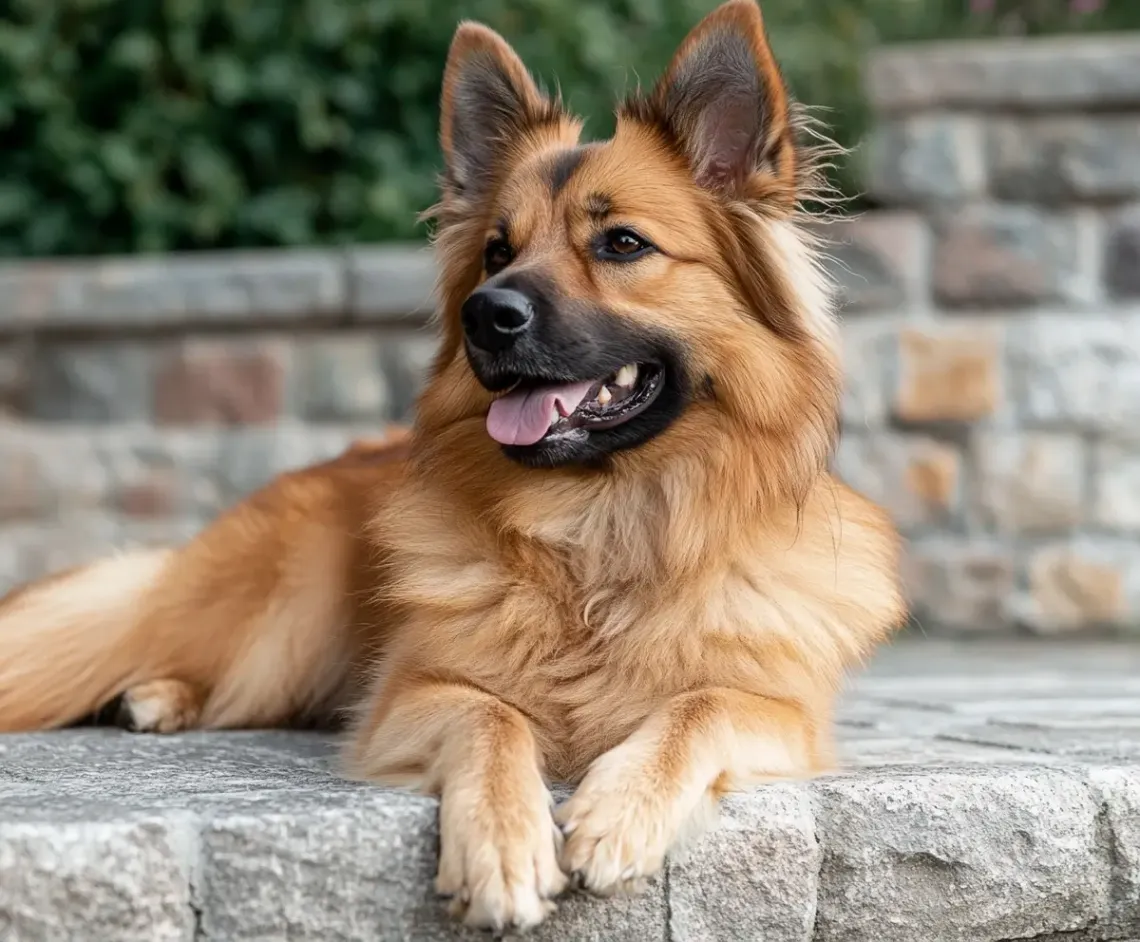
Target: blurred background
{"points": [[213, 271]]}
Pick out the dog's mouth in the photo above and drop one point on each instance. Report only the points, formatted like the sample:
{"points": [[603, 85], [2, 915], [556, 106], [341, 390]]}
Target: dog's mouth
{"points": [[534, 410]]}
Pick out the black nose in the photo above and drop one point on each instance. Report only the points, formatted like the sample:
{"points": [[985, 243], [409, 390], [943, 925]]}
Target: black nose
{"points": [[494, 318]]}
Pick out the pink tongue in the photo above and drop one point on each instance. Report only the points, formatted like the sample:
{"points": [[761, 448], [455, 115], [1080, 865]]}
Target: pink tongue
{"points": [[524, 416]]}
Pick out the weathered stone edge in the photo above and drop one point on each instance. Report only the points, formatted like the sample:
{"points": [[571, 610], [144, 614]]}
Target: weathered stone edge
{"points": [[811, 851], [356, 284], [1026, 74]]}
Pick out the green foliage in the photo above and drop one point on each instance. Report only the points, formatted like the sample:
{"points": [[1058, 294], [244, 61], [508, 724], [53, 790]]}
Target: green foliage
{"points": [[149, 125]]}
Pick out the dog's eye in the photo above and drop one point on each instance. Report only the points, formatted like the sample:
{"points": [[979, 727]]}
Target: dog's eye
{"points": [[622, 245], [497, 255]]}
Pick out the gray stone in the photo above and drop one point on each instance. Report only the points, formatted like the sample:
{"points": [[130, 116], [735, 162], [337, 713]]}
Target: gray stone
{"points": [[990, 792], [958, 855], [91, 382], [15, 377], [1032, 482], [342, 379], [1116, 485], [879, 261], [175, 289], [958, 584], [1119, 792], [754, 877], [990, 256], [1059, 73], [391, 282], [1081, 373], [122, 881], [1092, 158], [406, 361], [1122, 255], [870, 370], [924, 159]]}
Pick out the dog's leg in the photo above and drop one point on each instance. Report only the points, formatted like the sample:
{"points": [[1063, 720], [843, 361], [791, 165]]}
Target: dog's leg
{"points": [[157, 706], [498, 841], [637, 800]]}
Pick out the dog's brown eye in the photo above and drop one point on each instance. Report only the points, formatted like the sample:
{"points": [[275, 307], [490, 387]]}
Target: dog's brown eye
{"points": [[622, 245], [497, 255]]}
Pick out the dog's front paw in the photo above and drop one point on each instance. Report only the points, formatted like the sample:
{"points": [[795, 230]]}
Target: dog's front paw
{"points": [[499, 856], [617, 832]]}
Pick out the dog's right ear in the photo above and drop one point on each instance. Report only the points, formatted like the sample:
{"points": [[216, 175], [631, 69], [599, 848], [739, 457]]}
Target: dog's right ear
{"points": [[489, 100]]}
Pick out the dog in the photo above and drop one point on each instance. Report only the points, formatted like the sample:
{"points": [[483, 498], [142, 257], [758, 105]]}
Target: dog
{"points": [[609, 554]]}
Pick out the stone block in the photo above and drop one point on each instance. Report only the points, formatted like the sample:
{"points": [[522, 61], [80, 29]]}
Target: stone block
{"points": [[341, 379], [952, 855], [1068, 371], [931, 158], [879, 262], [957, 584], [1119, 793], [916, 479], [391, 282], [406, 360], [870, 370], [948, 373], [15, 377], [91, 382], [1092, 158], [22, 492], [989, 256], [754, 876], [119, 881], [220, 382], [1057, 73], [1032, 482], [174, 289], [362, 866], [1073, 588], [1122, 255], [1116, 485]]}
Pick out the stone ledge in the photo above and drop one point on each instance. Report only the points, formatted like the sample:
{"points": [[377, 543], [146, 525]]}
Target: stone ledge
{"points": [[1058, 73], [365, 283], [992, 792]]}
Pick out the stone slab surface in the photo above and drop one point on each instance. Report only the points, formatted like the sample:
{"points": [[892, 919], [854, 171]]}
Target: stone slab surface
{"points": [[989, 792]]}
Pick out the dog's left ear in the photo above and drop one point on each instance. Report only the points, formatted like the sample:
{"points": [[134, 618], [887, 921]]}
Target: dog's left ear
{"points": [[725, 104]]}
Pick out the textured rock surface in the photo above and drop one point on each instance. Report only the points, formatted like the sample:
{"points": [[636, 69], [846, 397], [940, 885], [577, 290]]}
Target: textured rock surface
{"points": [[988, 792]]}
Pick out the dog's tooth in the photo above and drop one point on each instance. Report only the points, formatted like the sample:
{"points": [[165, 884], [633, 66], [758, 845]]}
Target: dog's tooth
{"points": [[627, 375], [604, 396]]}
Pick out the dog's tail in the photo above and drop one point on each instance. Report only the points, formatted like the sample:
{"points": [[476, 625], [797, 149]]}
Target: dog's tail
{"points": [[72, 641]]}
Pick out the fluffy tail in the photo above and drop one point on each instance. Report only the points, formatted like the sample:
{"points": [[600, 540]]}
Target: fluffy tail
{"points": [[72, 641]]}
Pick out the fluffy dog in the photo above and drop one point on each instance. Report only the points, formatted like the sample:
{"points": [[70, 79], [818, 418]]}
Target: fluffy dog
{"points": [[610, 553]]}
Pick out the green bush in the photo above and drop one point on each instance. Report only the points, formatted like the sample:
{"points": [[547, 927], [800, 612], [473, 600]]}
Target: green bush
{"points": [[149, 125]]}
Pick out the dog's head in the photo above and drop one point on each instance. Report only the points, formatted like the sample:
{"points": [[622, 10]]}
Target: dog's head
{"points": [[616, 298]]}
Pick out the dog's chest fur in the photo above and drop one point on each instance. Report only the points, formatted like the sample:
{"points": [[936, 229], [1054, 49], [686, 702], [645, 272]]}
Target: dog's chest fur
{"points": [[588, 658]]}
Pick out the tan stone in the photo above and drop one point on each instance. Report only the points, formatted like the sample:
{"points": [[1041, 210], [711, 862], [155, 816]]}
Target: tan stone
{"points": [[914, 478], [153, 495], [212, 382], [947, 374], [1030, 482], [1069, 592]]}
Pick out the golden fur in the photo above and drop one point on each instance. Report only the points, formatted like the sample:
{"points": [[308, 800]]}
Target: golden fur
{"points": [[656, 631]]}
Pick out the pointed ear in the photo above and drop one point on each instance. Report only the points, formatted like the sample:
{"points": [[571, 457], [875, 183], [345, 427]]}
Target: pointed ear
{"points": [[488, 97], [723, 101]]}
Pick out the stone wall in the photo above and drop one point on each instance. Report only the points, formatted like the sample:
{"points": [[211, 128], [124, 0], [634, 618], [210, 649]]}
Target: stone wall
{"points": [[991, 315], [993, 329]]}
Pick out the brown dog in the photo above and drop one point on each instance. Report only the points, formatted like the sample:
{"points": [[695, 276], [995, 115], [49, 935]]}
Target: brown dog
{"points": [[611, 553]]}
